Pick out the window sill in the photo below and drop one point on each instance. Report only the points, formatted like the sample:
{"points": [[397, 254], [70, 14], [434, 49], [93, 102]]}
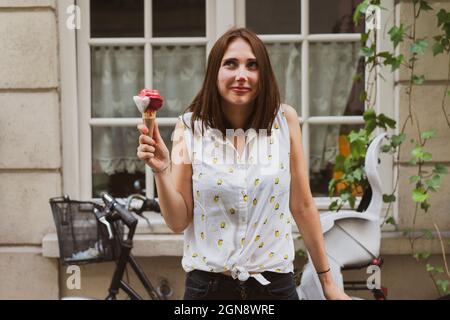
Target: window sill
{"points": [[158, 240]]}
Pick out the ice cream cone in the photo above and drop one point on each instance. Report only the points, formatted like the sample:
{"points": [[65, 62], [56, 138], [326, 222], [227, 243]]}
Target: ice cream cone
{"points": [[149, 118], [148, 102]]}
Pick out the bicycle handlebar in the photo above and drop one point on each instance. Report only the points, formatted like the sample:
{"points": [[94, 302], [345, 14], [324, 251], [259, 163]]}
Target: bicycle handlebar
{"points": [[126, 216]]}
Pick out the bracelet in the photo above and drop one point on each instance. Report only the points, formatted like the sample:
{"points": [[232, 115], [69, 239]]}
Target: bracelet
{"points": [[162, 170], [322, 272]]}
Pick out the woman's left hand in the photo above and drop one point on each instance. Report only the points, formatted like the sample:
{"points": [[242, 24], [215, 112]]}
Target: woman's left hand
{"points": [[333, 292]]}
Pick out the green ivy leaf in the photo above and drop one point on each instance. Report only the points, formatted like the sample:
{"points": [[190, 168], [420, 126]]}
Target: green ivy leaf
{"points": [[394, 62], [428, 134], [369, 114], [419, 154], [418, 46], [429, 267], [434, 183], [428, 234], [425, 6], [396, 34], [388, 198], [386, 120], [438, 48], [422, 255], [363, 96], [414, 179], [352, 201], [333, 206], [439, 269], [364, 37], [419, 195], [418, 79], [386, 148], [397, 140], [425, 206], [443, 285], [426, 156], [443, 17], [360, 9], [358, 174], [391, 221], [367, 51], [440, 169]]}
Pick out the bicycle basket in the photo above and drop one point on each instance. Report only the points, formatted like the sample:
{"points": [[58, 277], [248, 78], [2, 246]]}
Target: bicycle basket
{"points": [[81, 237]]}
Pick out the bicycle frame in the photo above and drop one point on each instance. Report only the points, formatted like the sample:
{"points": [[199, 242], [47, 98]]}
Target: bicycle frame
{"points": [[125, 258]]}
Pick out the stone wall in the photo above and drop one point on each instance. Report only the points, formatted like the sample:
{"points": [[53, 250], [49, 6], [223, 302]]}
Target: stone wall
{"points": [[30, 146]]}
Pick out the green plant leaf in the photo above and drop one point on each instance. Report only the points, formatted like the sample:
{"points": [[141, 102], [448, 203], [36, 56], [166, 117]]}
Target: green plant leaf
{"points": [[369, 114], [396, 34], [360, 9], [419, 195], [333, 206], [443, 17], [363, 96], [386, 120], [422, 255], [418, 79], [398, 139], [428, 134], [418, 46], [391, 221], [358, 173], [425, 206], [388, 198], [434, 183], [386, 148], [438, 48], [428, 234], [367, 51], [440, 169], [443, 285], [352, 201], [429, 267], [425, 6], [414, 179], [426, 156]]}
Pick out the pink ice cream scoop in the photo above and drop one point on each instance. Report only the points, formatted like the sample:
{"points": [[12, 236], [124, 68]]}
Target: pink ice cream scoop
{"points": [[148, 102]]}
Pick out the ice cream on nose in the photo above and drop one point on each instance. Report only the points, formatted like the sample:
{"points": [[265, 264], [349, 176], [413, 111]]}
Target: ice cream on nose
{"points": [[149, 102]]}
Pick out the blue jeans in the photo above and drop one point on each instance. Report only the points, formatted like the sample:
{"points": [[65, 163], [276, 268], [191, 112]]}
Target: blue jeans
{"points": [[203, 285]]}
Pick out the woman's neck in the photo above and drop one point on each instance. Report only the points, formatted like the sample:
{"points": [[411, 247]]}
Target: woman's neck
{"points": [[237, 116]]}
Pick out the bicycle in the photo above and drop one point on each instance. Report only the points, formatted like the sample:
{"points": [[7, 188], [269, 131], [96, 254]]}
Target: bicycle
{"points": [[89, 232]]}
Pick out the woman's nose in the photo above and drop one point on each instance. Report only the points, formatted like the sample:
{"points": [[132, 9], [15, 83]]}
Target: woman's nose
{"points": [[241, 76]]}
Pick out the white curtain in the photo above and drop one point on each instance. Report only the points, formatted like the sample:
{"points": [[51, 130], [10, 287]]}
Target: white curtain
{"points": [[332, 67], [118, 75], [285, 59], [178, 73]]}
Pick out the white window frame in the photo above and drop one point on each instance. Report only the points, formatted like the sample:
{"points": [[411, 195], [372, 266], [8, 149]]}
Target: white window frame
{"points": [[220, 15]]}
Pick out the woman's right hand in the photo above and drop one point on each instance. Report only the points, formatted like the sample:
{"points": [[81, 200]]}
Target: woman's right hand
{"points": [[153, 150]]}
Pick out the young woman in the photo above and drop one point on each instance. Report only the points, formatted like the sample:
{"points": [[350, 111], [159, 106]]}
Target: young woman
{"points": [[237, 215]]}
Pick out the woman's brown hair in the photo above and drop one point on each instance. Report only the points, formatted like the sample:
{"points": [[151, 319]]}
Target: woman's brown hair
{"points": [[206, 106]]}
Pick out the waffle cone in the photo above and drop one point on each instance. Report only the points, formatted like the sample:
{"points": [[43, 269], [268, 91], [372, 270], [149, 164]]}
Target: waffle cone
{"points": [[149, 119]]}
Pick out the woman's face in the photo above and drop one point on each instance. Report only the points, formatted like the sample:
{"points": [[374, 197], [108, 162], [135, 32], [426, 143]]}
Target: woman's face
{"points": [[238, 76]]}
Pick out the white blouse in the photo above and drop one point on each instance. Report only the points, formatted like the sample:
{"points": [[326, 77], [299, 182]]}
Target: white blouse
{"points": [[242, 222]]}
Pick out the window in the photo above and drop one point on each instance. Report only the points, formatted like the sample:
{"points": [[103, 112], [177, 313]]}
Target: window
{"points": [[314, 50], [160, 44], [164, 44]]}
